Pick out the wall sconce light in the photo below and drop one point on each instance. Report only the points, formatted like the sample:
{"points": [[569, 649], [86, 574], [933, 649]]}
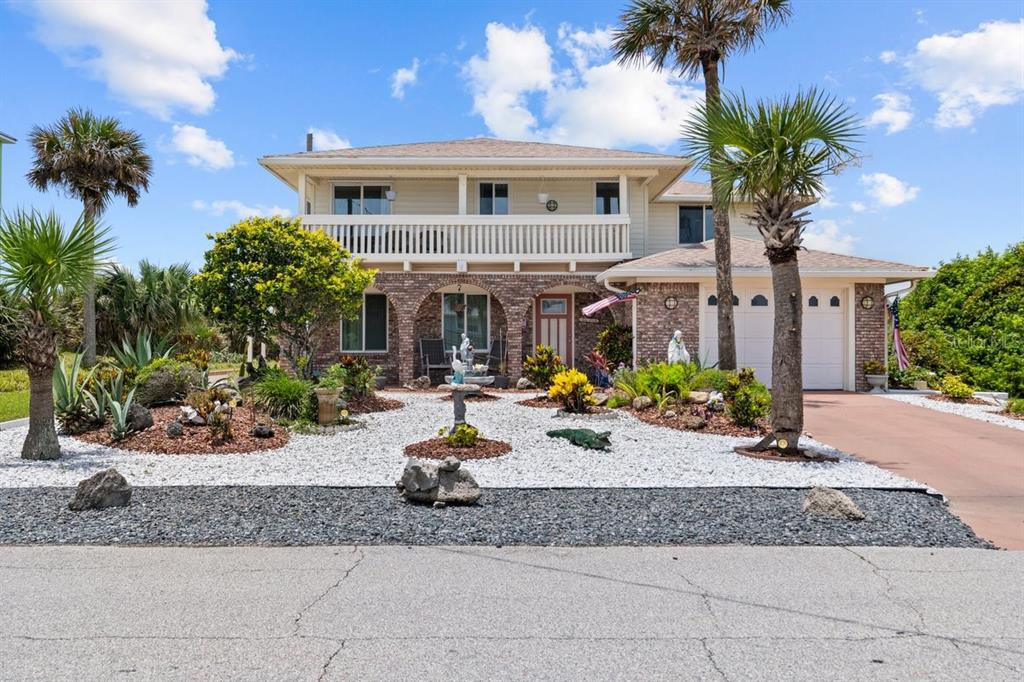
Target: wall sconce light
{"points": [[390, 194], [542, 198]]}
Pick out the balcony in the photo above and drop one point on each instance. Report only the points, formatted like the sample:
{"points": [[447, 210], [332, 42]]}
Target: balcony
{"points": [[478, 238]]}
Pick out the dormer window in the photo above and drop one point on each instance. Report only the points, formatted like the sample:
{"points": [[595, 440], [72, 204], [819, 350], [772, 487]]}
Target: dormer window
{"points": [[696, 224]]}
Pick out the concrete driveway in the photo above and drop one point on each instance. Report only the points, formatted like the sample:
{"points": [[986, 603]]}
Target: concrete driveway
{"points": [[523, 613], [977, 465]]}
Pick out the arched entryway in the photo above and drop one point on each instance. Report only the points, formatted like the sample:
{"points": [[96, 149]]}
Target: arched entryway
{"points": [[460, 308]]}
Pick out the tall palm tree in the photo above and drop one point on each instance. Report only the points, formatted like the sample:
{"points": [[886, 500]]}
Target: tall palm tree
{"points": [[695, 36], [39, 264], [92, 159], [776, 155]]}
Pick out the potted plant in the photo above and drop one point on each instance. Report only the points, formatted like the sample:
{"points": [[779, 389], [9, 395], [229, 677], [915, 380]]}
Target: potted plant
{"points": [[874, 373]]}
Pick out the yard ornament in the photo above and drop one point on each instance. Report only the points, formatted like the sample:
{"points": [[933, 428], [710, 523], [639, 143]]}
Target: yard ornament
{"points": [[677, 350], [466, 351]]}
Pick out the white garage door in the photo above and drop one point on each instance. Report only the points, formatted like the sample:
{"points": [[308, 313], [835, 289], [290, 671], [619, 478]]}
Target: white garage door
{"points": [[824, 334]]}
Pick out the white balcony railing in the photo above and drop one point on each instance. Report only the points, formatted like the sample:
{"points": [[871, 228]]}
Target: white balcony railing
{"points": [[478, 238]]}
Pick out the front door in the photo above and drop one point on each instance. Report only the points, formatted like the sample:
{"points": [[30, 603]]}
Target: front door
{"points": [[554, 324]]}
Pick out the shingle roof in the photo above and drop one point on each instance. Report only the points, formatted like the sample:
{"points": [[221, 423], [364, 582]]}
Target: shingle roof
{"points": [[480, 147], [688, 188], [748, 254]]}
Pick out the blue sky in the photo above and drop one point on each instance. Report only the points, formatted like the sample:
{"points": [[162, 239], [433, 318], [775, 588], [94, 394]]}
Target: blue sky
{"points": [[213, 88]]}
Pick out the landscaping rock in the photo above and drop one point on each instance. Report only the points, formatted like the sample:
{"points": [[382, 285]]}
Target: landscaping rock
{"points": [[670, 414], [175, 429], [642, 402], [419, 383], [524, 384], [698, 397], [446, 482], [139, 418], [190, 416], [716, 401], [833, 504], [692, 421], [105, 489], [167, 384], [262, 431]]}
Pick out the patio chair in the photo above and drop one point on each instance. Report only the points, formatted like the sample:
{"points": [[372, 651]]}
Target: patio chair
{"points": [[497, 355], [433, 356]]}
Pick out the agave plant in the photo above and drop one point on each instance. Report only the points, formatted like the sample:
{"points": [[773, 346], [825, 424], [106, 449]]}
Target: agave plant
{"points": [[71, 401], [119, 411], [142, 352]]}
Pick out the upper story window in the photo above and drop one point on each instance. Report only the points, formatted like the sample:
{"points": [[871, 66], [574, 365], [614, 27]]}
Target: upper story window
{"points": [[361, 200], [696, 224], [493, 198], [606, 198]]}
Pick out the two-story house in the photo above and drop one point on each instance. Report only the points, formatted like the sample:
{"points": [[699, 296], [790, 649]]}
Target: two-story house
{"points": [[511, 240]]}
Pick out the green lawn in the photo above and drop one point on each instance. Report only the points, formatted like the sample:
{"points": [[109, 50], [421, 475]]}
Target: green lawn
{"points": [[13, 405]]}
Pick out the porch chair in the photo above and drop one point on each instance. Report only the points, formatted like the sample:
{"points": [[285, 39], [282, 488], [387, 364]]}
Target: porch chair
{"points": [[496, 355], [432, 356]]}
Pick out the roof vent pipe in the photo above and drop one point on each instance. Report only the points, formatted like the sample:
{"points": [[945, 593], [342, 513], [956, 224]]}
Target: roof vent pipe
{"points": [[309, 142]]}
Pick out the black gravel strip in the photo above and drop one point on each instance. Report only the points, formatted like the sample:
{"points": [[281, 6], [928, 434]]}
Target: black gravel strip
{"points": [[300, 515]]}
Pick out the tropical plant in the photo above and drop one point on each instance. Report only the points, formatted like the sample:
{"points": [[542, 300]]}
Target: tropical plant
{"points": [[269, 277], [954, 388], [658, 379], [615, 343], [462, 436], [355, 377], [134, 356], [874, 367], [91, 159], [119, 413], [73, 408], [776, 154], [541, 367], [1015, 406], [219, 422], [694, 37], [572, 388], [39, 263], [282, 396], [749, 403], [711, 379]]}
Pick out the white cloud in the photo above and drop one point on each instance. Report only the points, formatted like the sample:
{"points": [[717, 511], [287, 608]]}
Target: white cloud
{"points": [[887, 56], [404, 78], [826, 200], [825, 235], [219, 208], [159, 55], [523, 92], [858, 206], [200, 149], [888, 191], [971, 72], [324, 139], [894, 112]]}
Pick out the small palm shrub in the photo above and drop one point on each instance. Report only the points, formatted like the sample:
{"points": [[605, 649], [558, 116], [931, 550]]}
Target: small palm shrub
{"points": [[572, 388], [134, 356], [658, 379], [283, 397], [119, 411], [954, 388], [462, 436], [749, 403], [355, 377], [615, 343], [71, 404], [541, 367]]}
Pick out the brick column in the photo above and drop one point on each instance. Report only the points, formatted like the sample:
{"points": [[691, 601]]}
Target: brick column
{"points": [[869, 330], [406, 343], [515, 315]]}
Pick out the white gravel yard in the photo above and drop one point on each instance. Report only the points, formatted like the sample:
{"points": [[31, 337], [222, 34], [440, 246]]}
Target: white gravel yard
{"points": [[642, 456], [983, 413]]}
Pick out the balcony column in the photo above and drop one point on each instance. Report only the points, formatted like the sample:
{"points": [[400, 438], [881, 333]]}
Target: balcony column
{"points": [[462, 195], [623, 195], [302, 194]]}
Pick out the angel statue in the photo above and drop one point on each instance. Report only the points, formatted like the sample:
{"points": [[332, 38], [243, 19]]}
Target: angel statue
{"points": [[677, 350], [466, 351]]}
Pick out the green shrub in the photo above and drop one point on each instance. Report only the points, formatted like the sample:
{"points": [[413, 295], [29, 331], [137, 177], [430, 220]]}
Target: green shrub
{"points": [[711, 379], [541, 367], [283, 397], [659, 379], [737, 380], [1015, 406], [874, 367], [119, 411], [905, 378], [617, 400], [71, 404], [464, 436], [749, 403], [572, 388], [615, 343], [954, 388], [355, 377], [135, 356], [166, 381]]}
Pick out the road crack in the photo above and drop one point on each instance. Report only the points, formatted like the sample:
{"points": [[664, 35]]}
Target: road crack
{"points": [[360, 555]]}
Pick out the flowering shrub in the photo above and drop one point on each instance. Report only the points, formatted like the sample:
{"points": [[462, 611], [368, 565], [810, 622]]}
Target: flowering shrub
{"points": [[572, 388], [463, 436], [542, 366]]}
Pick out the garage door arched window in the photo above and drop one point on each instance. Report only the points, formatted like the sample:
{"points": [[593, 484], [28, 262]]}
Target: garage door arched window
{"points": [[834, 302], [812, 302], [759, 301], [713, 300]]}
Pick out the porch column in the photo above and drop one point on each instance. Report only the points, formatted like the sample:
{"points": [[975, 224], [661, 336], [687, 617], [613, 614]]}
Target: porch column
{"points": [[406, 347], [462, 194], [302, 194], [623, 195], [515, 316]]}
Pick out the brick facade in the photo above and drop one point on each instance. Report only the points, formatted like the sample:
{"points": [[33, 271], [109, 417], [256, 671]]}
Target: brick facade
{"points": [[656, 323], [869, 330]]}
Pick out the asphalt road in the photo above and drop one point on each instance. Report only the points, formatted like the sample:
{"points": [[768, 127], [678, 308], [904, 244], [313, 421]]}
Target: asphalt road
{"points": [[467, 613]]}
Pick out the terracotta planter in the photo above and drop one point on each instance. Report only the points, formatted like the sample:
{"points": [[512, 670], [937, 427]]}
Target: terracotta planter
{"points": [[327, 405]]}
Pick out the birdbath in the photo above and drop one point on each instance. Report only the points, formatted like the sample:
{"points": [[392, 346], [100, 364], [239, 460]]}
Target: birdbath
{"points": [[459, 392]]}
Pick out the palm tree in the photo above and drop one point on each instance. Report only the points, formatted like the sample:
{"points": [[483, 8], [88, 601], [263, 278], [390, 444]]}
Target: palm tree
{"points": [[160, 300], [776, 155], [92, 159], [39, 264], [695, 36]]}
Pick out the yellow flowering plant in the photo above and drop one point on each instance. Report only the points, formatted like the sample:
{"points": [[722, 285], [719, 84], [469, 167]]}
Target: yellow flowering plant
{"points": [[572, 388]]}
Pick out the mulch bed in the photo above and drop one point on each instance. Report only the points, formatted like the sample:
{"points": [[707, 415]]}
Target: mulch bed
{"points": [[438, 448], [1011, 415], [473, 397], [539, 401], [196, 440], [774, 455], [373, 403], [959, 401], [715, 423]]}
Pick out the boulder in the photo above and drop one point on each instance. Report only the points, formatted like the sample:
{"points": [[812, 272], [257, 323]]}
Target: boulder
{"points": [[833, 504], [189, 415], [670, 414], [105, 489], [642, 402], [446, 482], [524, 384], [419, 383], [139, 418], [698, 397], [166, 383], [175, 429], [262, 431], [693, 422]]}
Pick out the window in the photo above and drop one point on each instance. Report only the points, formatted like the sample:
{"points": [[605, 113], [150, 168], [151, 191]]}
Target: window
{"points": [[552, 306], [361, 200], [368, 331], [696, 224], [759, 301], [713, 300], [812, 302], [465, 313], [493, 199], [606, 198], [834, 302]]}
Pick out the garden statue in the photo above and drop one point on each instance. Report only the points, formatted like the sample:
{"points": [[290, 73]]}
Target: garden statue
{"points": [[466, 351], [458, 369], [677, 350]]}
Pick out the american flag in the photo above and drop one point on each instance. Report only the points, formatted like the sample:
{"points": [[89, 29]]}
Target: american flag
{"points": [[609, 301], [897, 342]]}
